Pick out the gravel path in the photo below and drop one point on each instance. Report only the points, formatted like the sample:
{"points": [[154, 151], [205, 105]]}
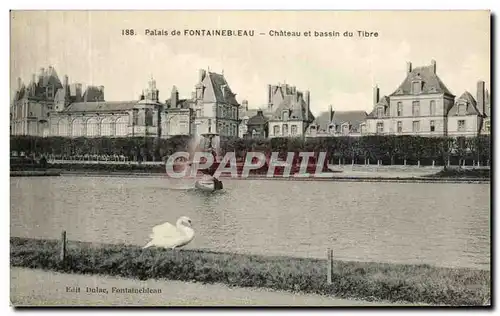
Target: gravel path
{"points": [[36, 287]]}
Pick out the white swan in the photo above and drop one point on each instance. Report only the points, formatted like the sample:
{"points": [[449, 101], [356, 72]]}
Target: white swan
{"points": [[169, 236]]}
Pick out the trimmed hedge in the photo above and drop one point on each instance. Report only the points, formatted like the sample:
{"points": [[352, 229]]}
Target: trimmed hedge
{"points": [[390, 150]]}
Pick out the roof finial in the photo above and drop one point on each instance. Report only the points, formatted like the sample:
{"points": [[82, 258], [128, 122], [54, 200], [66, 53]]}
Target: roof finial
{"points": [[222, 71], [208, 68]]}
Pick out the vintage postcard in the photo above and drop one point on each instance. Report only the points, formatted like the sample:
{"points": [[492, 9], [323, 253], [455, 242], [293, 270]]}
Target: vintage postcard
{"points": [[250, 158]]}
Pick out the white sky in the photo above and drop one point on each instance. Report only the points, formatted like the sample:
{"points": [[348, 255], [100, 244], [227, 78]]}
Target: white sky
{"points": [[89, 47]]}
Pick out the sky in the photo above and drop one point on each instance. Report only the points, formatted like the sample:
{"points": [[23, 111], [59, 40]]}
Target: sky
{"points": [[89, 47]]}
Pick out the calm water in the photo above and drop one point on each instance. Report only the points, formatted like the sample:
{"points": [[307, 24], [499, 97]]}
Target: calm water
{"points": [[438, 224]]}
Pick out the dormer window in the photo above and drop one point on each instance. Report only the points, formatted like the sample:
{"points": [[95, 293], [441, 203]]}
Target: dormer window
{"points": [[462, 108], [345, 128], [285, 115], [416, 87], [380, 111]]}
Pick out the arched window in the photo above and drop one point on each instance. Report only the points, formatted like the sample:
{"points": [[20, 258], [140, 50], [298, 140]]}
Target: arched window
{"points": [[78, 128], [93, 127], [121, 126], [108, 126], [62, 127], [149, 117]]}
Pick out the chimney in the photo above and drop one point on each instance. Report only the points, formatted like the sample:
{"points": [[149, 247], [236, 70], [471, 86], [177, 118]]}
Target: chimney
{"points": [[433, 63], [308, 104], [245, 104], [174, 97], [101, 90], [202, 74], [269, 94], [41, 75], [408, 67], [330, 118], [376, 95], [65, 83], [19, 83], [480, 96], [49, 72], [78, 92]]}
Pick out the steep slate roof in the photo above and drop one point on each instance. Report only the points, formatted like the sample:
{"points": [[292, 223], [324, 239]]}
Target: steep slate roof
{"points": [[296, 105], [323, 120], [471, 105], [50, 77], [101, 106], [384, 101], [355, 118], [431, 82], [258, 119], [252, 112], [218, 87]]}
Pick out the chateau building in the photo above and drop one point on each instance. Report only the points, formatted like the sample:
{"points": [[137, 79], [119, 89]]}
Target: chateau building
{"points": [[423, 106], [215, 105], [257, 126], [49, 107], [291, 114]]}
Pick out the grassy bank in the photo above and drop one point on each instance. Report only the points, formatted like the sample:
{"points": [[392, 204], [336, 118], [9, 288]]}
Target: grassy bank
{"points": [[357, 280]]}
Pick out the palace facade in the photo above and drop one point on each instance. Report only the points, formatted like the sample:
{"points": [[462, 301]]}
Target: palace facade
{"points": [[423, 106], [49, 107]]}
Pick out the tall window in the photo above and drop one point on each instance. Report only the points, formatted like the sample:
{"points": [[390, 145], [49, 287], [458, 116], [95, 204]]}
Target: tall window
{"points": [[400, 109], [148, 117], [198, 112], [433, 126], [276, 130], [400, 127], [285, 115], [461, 126], [294, 129], [63, 127], [432, 109], [285, 129], [462, 109], [416, 126], [135, 117], [78, 128], [107, 127], [92, 127], [416, 86], [380, 127], [121, 126], [380, 111], [416, 108]]}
